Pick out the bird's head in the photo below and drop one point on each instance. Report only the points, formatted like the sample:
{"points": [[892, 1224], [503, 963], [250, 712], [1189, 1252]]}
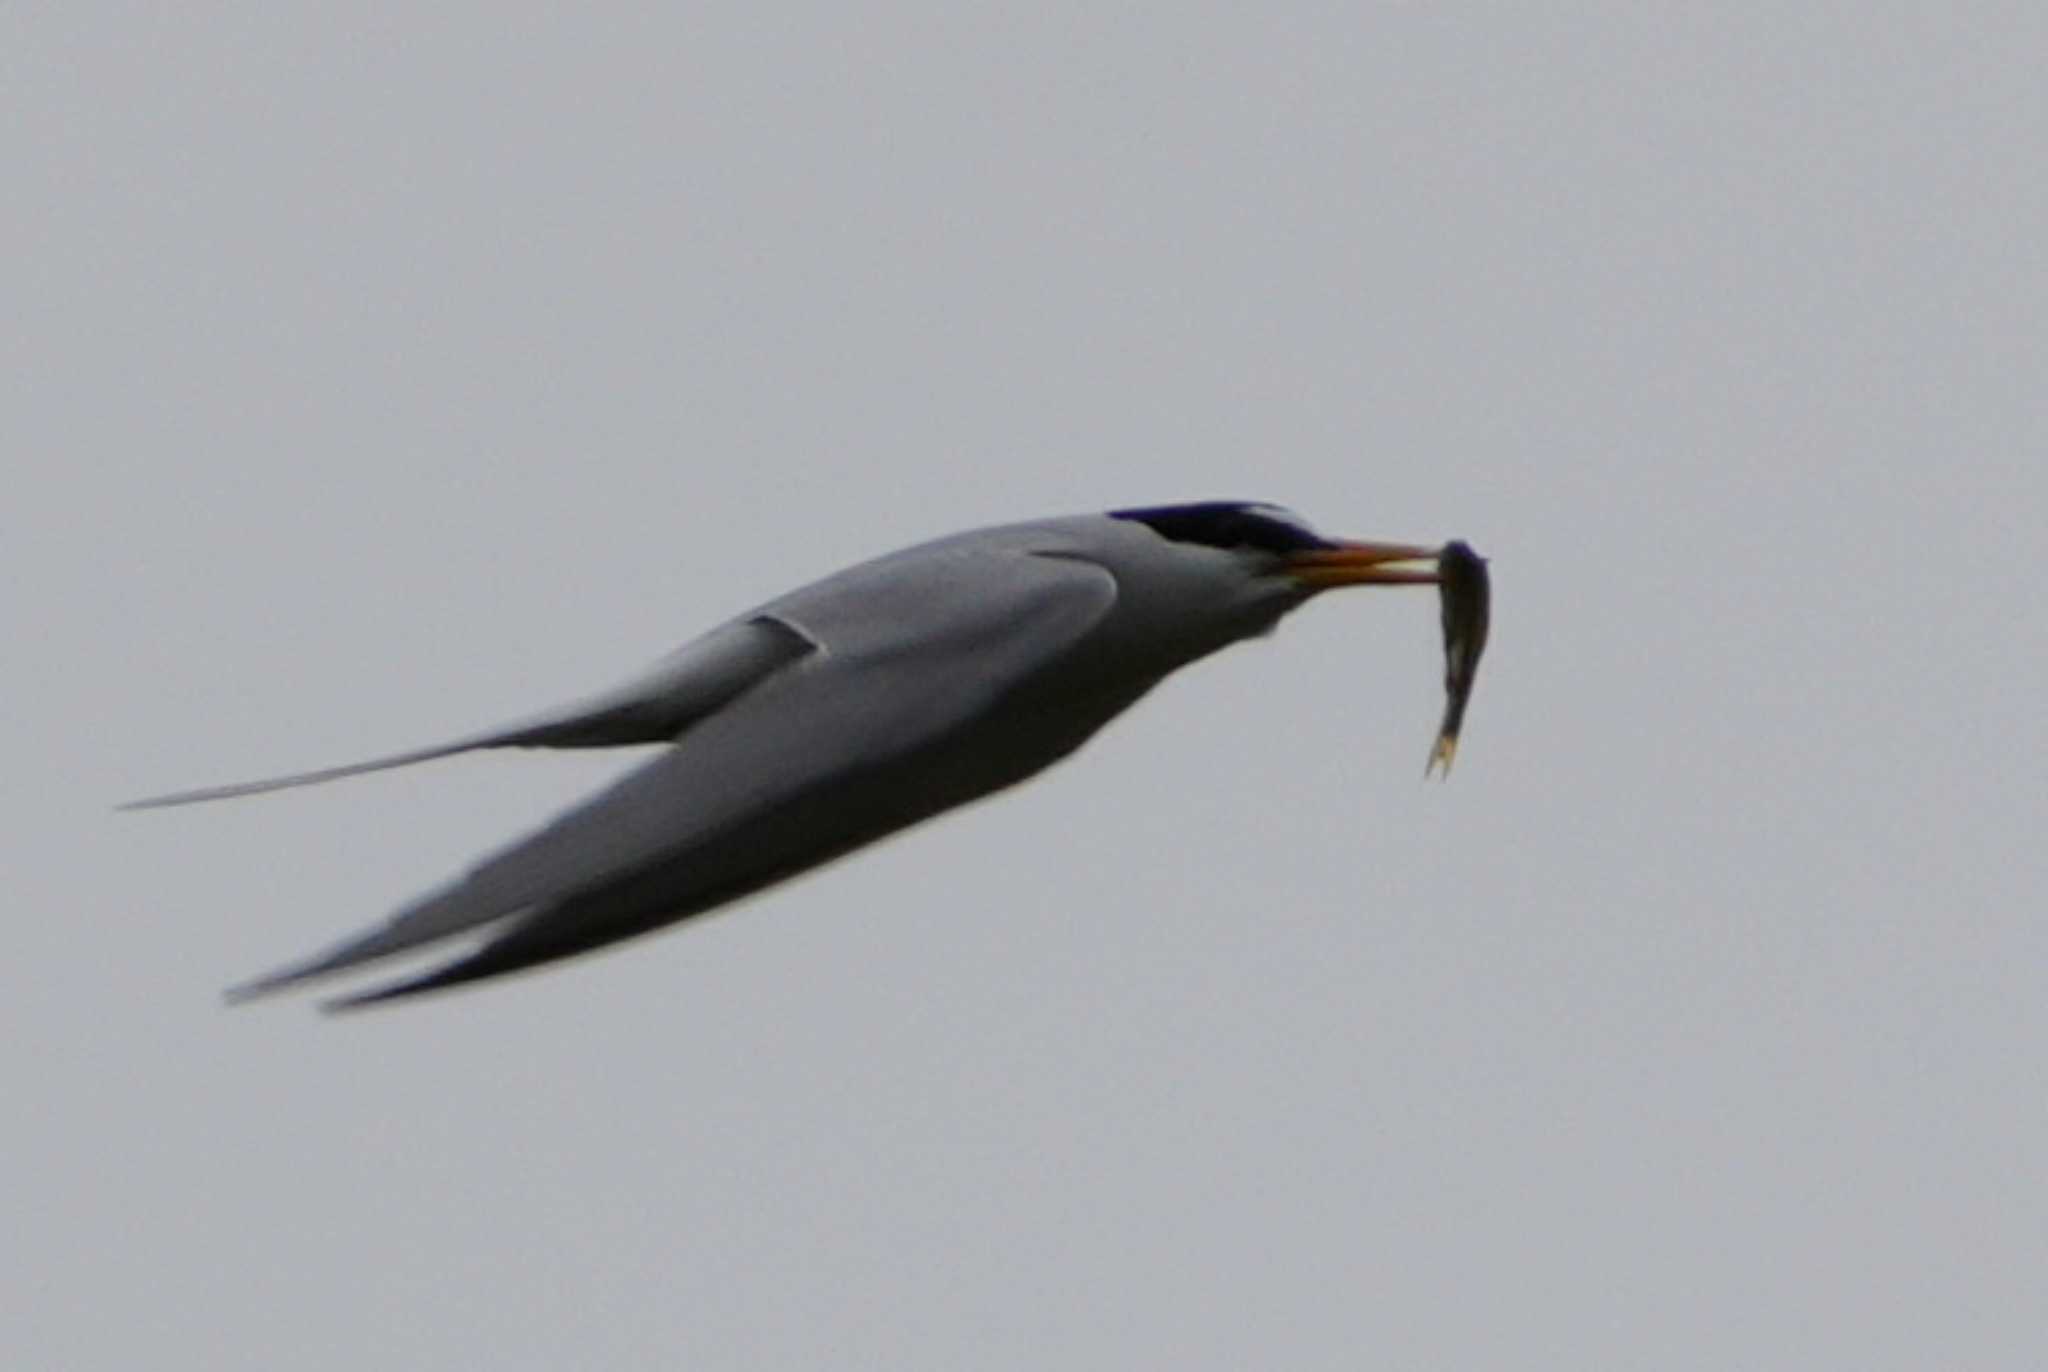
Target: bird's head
{"points": [[1283, 552]]}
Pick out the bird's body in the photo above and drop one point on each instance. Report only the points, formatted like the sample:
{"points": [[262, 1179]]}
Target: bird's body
{"points": [[851, 708]]}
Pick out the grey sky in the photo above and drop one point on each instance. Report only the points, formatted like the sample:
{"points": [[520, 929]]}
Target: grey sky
{"points": [[376, 375]]}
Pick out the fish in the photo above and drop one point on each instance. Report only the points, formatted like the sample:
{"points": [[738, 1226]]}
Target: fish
{"points": [[1466, 593]]}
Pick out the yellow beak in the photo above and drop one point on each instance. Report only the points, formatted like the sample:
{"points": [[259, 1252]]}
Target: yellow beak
{"points": [[1363, 564]]}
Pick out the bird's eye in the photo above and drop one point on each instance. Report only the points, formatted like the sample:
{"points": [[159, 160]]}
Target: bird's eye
{"points": [[1229, 524]]}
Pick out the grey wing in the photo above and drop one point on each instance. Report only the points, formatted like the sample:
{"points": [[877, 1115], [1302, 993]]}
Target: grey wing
{"points": [[651, 708], [782, 778]]}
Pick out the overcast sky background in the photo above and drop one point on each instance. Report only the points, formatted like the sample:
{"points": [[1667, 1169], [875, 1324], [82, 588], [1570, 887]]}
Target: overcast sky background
{"points": [[377, 374]]}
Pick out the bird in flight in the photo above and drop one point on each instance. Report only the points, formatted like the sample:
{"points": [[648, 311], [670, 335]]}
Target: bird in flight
{"points": [[847, 710]]}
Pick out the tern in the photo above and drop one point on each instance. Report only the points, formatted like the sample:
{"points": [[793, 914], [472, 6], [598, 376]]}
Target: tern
{"points": [[847, 711]]}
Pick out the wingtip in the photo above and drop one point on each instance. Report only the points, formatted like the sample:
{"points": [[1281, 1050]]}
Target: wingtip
{"points": [[164, 802], [380, 995], [294, 780], [261, 988], [173, 799], [281, 979]]}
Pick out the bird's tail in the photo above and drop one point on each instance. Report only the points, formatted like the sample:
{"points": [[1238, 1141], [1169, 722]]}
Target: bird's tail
{"points": [[251, 788], [654, 707]]}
